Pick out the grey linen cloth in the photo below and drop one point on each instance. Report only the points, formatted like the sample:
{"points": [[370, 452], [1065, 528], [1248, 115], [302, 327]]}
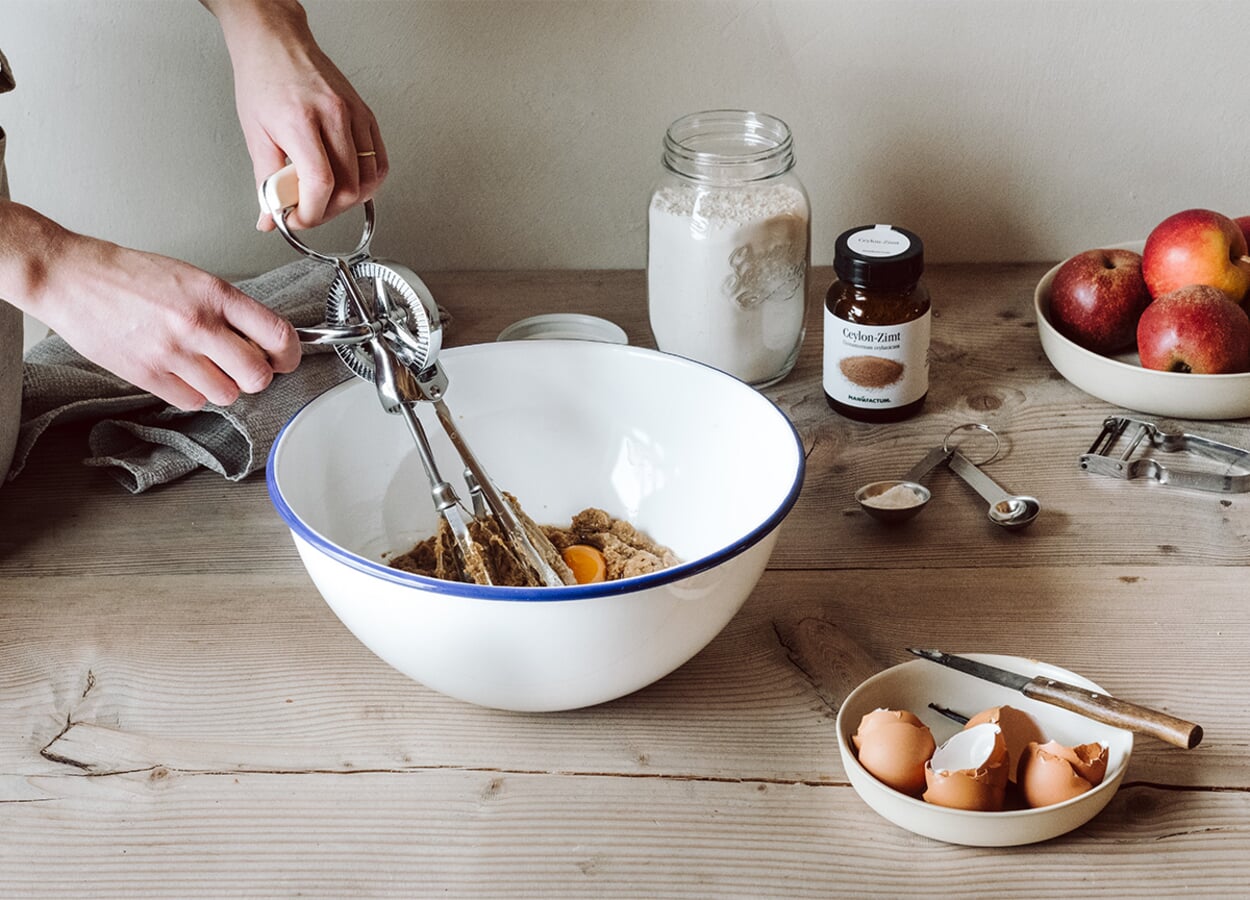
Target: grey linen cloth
{"points": [[142, 440]]}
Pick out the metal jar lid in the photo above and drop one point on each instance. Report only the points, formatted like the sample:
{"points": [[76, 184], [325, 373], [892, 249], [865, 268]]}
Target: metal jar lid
{"points": [[564, 327]]}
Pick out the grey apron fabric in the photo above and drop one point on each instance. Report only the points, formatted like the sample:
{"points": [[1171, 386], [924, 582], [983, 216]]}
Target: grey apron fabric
{"points": [[10, 328], [141, 440]]}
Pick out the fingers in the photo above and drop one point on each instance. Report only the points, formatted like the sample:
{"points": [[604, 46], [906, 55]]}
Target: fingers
{"points": [[316, 185], [382, 160], [340, 165], [230, 367], [176, 392], [200, 377], [233, 346], [267, 158], [373, 168], [240, 351], [227, 372], [295, 104], [163, 325], [219, 377], [267, 335]]}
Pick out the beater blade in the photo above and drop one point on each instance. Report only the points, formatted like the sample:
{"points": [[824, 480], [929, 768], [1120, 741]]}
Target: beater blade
{"points": [[392, 337]]}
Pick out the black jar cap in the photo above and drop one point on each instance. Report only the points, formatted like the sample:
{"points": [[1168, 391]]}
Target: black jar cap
{"points": [[880, 256]]}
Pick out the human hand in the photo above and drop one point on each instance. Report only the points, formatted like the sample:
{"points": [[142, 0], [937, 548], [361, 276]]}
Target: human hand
{"points": [[295, 104], [163, 325]]}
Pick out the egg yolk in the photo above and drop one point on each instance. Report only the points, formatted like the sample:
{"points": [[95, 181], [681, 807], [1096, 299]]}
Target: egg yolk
{"points": [[587, 563]]}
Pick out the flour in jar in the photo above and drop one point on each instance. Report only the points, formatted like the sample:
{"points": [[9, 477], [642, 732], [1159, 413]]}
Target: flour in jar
{"points": [[727, 276]]}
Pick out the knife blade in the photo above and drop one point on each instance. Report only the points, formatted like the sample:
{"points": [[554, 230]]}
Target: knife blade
{"points": [[1082, 701]]}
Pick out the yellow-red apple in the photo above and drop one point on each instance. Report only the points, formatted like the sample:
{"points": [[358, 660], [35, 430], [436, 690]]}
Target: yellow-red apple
{"points": [[1194, 329], [1097, 297], [1197, 246]]}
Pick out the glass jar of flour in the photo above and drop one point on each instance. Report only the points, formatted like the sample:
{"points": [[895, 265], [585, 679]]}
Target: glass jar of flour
{"points": [[729, 245]]}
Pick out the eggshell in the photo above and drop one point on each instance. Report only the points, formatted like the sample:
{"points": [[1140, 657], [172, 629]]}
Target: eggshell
{"points": [[1087, 760], [1019, 730], [1052, 773], [969, 771], [894, 745]]}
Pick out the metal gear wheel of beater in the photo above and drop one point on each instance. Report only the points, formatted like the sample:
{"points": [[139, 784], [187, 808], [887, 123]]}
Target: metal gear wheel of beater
{"points": [[417, 335]]}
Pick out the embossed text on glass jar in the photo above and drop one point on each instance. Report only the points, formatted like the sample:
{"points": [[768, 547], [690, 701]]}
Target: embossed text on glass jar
{"points": [[729, 245]]}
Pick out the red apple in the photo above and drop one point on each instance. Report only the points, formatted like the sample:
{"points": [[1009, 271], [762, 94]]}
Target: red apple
{"points": [[1243, 222], [1197, 246], [1194, 329], [1097, 297]]}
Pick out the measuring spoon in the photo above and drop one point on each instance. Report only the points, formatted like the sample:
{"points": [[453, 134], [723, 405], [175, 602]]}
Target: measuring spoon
{"points": [[909, 495], [1011, 511]]}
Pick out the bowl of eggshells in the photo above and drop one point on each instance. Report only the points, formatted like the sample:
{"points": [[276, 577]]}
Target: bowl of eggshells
{"points": [[966, 761]]}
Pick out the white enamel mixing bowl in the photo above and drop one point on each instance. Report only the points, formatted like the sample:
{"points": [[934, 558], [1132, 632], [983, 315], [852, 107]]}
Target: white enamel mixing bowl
{"points": [[700, 461]]}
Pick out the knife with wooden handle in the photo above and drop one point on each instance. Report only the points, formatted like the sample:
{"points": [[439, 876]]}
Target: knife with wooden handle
{"points": [[1082, 701]]}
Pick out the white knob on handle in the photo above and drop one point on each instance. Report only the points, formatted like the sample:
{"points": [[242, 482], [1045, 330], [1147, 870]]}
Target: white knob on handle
{"points": [[279, 191]]}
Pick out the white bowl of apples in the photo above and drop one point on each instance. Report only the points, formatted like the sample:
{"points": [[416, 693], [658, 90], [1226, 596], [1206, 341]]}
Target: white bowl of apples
{"points": [[1189, 357]]}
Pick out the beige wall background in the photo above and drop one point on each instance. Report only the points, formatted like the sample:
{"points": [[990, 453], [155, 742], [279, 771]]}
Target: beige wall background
{"points": [[527, 134]]}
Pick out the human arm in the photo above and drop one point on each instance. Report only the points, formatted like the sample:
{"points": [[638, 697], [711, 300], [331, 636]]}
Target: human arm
{"points": [[163, 325], [294, 103]]}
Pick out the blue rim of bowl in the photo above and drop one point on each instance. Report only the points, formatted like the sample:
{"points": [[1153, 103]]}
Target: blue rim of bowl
{"points": [[543, 594]]}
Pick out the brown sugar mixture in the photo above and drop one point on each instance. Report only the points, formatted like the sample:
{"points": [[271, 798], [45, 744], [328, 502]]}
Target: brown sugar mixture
{"points": [[626, 550]]}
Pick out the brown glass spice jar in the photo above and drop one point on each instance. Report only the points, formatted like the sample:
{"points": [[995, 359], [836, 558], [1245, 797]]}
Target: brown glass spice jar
{"points": [[877, 326]]}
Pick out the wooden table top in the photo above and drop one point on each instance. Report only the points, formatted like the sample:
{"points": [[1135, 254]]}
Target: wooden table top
{"points": [[181, 714]]}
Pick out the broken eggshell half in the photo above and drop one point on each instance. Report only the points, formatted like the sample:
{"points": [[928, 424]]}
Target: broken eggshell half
{"points": [[969, 771], [895, 746], [1053, 773], [1019, 730]]}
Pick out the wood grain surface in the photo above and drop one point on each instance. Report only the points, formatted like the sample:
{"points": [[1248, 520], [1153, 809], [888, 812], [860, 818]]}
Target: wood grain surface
{"points": [[182, 716]]}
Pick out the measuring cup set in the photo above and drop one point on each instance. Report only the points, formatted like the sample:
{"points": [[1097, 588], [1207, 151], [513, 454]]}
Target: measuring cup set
{"points": [[907, 496]]}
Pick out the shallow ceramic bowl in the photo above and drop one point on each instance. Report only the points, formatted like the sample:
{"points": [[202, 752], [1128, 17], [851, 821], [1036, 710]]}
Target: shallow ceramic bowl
{"points": [[914, 685], [1121, 379], [697, 459]]}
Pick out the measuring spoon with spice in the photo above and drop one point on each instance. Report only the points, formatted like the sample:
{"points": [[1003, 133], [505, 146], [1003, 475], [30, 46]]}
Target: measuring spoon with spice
{"points": [[897, 501]]}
